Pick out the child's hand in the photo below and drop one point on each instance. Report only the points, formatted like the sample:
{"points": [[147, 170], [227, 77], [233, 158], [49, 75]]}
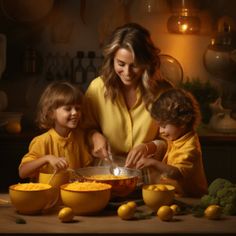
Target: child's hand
{"points": [[146, 162], [58, 163], [136, 154]]}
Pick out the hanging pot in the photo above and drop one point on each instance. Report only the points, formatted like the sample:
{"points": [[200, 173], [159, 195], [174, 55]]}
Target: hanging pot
{"points": [[26, 10]]}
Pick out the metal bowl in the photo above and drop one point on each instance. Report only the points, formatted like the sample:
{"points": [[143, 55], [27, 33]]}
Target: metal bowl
{"points": [[120, 187]]}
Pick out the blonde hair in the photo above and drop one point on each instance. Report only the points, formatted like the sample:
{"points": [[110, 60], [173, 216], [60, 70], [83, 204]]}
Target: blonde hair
{"points": [[137, 40], [56, 94]]}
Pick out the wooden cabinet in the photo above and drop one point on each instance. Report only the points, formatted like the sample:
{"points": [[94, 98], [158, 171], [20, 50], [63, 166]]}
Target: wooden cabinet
{"points": [[219, 155], [12, 149]]}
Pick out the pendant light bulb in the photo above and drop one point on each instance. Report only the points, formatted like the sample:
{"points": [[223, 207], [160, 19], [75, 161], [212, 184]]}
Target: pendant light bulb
{"points": [[184, 20]]}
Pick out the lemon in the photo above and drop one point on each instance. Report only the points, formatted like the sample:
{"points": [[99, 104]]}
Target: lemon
{"points": [[125, 212], [13, 127], [165, 213], [132, 204], [162, 188], [175, 208], [151, 187], [213, 212], [66, 214]]}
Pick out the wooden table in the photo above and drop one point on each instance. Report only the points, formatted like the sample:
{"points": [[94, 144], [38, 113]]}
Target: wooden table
{"points": [[107, 222]]}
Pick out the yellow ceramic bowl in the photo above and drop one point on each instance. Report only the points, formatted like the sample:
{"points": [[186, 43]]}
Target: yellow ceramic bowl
{"points": [[60, 178], [157, 195], [87, 201], [31, 198]]}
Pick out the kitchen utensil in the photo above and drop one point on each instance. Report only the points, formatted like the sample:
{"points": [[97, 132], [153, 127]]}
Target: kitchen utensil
{"points": [[122, 185], [3, 99], [3, 50], [76, 173], [26, 11], [86, 198], [55, 179], [52, 176], [3, 201], [157, 195], [171, 69], [114, 169], [31, 201]]}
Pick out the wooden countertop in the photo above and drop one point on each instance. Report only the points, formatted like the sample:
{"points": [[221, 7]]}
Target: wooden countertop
{"points": [[207, 135], [107, 222]]}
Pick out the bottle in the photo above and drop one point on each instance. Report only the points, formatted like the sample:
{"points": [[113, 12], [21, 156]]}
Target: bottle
{"points": [[79, 75], [91, 70], [66, 66], [48, 67], [30, 61]]}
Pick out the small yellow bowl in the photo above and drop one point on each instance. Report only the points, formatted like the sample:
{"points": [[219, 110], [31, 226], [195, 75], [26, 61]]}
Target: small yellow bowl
{"points": [[60, 178], [157, 195], [31, 198], [86, 198]]}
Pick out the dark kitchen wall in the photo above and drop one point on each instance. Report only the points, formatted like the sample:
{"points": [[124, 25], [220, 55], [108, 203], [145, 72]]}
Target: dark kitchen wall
{"points": [[73, 25], [68, 27]]}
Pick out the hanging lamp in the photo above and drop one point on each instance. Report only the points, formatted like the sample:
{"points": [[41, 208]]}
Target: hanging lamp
{"points": [[184, 18]]}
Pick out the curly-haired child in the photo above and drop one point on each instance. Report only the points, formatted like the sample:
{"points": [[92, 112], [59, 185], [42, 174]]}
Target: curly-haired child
{"points": [[177, 113]]}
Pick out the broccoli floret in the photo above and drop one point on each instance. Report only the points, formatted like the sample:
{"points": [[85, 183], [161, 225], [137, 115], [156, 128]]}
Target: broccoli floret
{"points": [[207, 200], [218, 184], [229, 209], [227, 198], [227, 192], [223, 193]]}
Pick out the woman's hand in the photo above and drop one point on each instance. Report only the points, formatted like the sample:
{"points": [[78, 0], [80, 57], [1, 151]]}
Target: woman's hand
{"points": [[100, 145], [135, 155], [58, 163]]}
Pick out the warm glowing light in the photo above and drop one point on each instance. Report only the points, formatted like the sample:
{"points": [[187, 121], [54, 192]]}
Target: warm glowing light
{"points": [[183, 28], [184, 19], [183, 24]]}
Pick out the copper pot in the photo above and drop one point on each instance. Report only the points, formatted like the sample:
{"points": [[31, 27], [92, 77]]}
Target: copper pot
{"points": [[121, 187]]}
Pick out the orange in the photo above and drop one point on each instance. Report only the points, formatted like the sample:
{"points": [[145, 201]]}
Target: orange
{"points": [[165, 213], [66, 214], [125, 212], [13, 127], [213, 212]]}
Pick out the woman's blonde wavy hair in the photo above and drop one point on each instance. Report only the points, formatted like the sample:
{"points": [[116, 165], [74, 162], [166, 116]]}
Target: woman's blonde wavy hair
{"points": [[137, 40]]}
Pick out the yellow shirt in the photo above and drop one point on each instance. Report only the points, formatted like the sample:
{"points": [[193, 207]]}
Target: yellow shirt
{"points": [[123, 128], [72, 148], [185, 154]]}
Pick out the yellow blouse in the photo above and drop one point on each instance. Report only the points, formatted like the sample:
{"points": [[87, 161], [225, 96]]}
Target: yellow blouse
{"points": [[185, 154], [123, 128], [72, 148]]}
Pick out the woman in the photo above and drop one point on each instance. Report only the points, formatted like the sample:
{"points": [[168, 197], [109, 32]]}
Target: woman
{"points": [[118, 100]]}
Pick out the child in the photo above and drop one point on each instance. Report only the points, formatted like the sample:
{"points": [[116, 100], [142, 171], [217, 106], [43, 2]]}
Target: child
{"points": [[62, 146], [177, 113]]}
